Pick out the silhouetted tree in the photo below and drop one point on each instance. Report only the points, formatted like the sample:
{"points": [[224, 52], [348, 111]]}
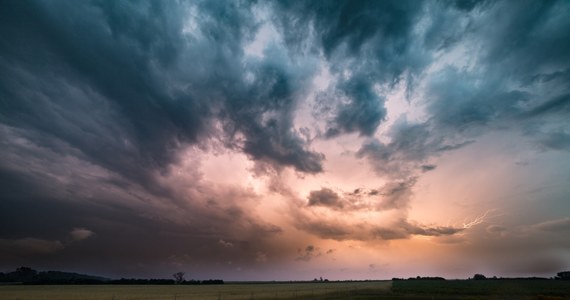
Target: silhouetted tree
{"points": [[213, 281], [479, 277], [178, 277], [24, 274], [563, 275]]}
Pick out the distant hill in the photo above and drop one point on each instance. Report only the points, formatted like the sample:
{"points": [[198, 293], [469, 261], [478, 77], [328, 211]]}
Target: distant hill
{"points": [[27, 275]]}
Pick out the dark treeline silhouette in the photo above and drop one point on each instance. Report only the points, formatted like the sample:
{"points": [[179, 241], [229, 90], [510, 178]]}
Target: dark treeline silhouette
{"points": [[479, 277], [140, 281], [483, 277], [560, 276], [563, 275], [420, 278], [212, 281], [163, 281], [25, 275], [320, 279]]}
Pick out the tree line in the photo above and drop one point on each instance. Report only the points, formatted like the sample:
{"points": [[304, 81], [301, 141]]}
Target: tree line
{"points": [[559, 276], [26, 275]]}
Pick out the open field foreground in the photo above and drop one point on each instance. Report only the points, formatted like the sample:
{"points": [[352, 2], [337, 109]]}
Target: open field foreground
{"points": [[507, 289], [236, 291]]}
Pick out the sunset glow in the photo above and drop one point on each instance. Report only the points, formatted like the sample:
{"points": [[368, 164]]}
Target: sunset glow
{"points": [[285, 140]]}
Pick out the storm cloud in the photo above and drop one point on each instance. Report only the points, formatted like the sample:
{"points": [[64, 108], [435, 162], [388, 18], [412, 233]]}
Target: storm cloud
{"points": [[324, 197], [131, 81], [126, 122]]}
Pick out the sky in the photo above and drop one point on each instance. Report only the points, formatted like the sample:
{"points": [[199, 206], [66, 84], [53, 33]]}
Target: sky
{"points": [[285, 140]]}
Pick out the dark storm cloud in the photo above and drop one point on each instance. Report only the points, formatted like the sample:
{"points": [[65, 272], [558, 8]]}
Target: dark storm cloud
{"points": [[504, 90], [410, 148], [557, 105], [458, 102], [520, 40], [348, 23], [308, 253], [392, 195], [72, 198], [404, 230], [93, 88], [340, 230], [129, 97], [28, 247], [263, 112], [324, 197], [532, 40], [324, 228], [362, 114], [467, 5], [115, 227], [427, 168], [396, 195], [97, 101], [365, 42]]}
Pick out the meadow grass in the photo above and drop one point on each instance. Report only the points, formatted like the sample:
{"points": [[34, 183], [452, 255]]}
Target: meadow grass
{"points": [[485, 289], [230, 291], [413, 289]]}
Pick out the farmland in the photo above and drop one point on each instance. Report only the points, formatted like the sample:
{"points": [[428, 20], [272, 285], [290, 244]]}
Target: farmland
{"points": [[483, 289], [233, 291], [450, 289]]}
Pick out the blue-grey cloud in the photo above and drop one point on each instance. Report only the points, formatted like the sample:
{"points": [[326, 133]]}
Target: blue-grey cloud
{"points": [[366, 43], [514, 84], [363, 113], [411, 147], [129, 99]]}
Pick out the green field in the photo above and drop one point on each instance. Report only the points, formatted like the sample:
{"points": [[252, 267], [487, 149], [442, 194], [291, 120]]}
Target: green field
{"points": [[450, 289], [331, 290], [484, 289]]}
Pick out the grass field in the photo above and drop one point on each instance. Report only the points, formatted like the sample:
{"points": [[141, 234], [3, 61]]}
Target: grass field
{"points": [[450, 289], [485, 289], [240, 291]]}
